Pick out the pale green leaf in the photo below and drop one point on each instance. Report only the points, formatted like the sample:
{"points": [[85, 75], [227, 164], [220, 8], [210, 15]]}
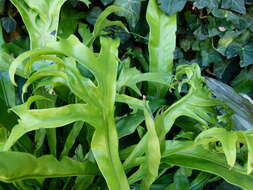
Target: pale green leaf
{"points": [[162, 43], [131, 76], [43, 118], [227, 139], [186, 154], [41, 19], [153, 154], [102, 22], [85, 33], [46, 166]]}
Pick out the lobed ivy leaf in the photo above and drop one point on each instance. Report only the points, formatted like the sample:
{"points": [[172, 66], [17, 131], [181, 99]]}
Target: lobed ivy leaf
{"points": [[9, 24], [211, 4], [246, 55], [225, 41], [106, 2], [243, 82], [172, 6], [235, 5], [69, 19], [130, 10]]}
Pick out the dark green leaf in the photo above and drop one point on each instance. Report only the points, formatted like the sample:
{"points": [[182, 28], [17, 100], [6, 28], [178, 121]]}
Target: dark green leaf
{"points": [[247, 55], [131, 10], [106, 2], [76, 128], [225, 41], [93, 15], [235, 5], [243, 83], [68, 21], [181, 181], [211, 4], [171, 6], [200, 181], [225, 186], [7, 90], [9, 24]]}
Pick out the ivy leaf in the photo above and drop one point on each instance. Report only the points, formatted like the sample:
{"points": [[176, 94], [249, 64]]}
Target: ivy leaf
{"points": [[247, 55], [225, 41], [131, 10], [243, 83], [235, 5], [106, 2], [233, 50], [9, 24], [93, 15], [66, 28], [211, 4], [172, 6], [208, 54]]}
